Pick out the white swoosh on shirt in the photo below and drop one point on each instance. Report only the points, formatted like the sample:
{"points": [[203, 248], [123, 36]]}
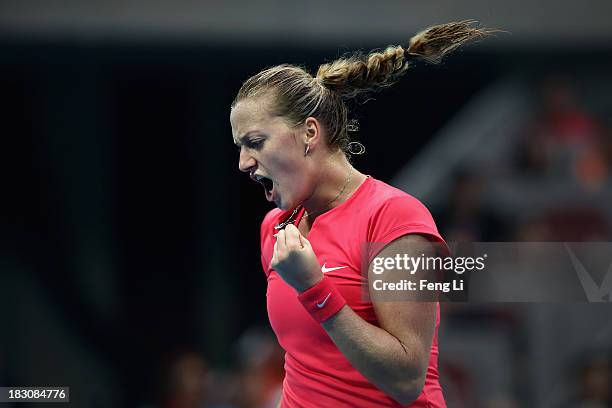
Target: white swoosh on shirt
{"points": [[325, 269]]}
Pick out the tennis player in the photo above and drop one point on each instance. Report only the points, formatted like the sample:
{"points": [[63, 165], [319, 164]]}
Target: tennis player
{"points": [[342, 349]]}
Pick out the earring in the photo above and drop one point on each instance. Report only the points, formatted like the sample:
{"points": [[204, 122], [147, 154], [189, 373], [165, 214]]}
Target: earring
{"points": [[306, 152]]}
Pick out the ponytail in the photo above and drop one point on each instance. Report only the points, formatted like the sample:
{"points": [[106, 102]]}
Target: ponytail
{"points": [[358, 74]]}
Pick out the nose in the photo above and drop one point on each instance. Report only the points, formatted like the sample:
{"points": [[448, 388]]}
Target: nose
{"points": [[245, 161]]}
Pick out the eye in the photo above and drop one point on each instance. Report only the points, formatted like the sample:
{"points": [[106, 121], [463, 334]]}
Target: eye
{"points": [[254, 143]]}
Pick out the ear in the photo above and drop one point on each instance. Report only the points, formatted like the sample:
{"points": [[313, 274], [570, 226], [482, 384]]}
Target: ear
{"points": [[312, 132]]}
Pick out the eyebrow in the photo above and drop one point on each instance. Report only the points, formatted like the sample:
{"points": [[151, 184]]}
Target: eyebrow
{"points": [[238, 141]]}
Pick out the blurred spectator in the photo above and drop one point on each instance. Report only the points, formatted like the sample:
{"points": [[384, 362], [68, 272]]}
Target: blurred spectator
{"points": [[563, 119], [261, 362], [563, 139], [183, 381], [186, 387], [592, 382], [590, 167]]}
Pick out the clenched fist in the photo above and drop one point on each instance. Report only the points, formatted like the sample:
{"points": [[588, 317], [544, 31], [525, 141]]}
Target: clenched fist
{"points": [[294, 260]]}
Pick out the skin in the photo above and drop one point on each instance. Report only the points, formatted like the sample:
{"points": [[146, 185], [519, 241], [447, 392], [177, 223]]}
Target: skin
{"points": [[271, 148], [394, 356]]}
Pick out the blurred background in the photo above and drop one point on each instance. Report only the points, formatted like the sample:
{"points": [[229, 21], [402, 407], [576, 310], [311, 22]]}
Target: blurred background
{"points": [[129, 240]]}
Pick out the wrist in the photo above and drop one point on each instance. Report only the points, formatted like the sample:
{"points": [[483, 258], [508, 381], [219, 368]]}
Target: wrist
{"points": [[306, 286], [322, 300]]}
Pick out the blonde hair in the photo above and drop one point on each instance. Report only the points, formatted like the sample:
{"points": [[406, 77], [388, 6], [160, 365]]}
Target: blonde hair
{"points": [[297, 95]]}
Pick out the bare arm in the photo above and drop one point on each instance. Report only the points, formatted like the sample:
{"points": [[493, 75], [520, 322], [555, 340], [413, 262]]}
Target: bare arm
{"points": [[394, 356]]}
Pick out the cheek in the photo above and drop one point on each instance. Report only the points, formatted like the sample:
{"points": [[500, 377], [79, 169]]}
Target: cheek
{"points": [[283, 167], [291, 175]]}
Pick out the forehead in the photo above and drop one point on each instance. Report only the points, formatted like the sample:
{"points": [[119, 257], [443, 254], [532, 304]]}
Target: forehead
{"points": [[252, 114], [248, 111]]}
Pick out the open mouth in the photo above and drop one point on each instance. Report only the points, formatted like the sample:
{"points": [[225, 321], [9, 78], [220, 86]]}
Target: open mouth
{"points": [[267, 184]]}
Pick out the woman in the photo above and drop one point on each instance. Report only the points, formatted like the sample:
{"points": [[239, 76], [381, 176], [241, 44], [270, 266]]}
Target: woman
{"points": [[342, 350]]}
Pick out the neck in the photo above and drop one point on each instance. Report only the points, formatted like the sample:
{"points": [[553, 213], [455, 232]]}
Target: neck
{"points": [[336, 182]]}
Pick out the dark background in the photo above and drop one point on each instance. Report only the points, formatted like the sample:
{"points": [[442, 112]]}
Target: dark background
{"points": [[127, 232]]}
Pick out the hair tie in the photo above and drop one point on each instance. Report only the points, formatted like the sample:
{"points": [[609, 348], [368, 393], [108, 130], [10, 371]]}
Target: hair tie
{"points": [[319, 82]]}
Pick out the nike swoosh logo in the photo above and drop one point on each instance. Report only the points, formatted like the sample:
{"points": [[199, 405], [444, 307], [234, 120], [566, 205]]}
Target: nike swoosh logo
{"points": [[325, 269], [320, 305]]}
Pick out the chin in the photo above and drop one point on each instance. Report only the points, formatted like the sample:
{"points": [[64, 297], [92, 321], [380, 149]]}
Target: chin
{"points": [[284, 205]]}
